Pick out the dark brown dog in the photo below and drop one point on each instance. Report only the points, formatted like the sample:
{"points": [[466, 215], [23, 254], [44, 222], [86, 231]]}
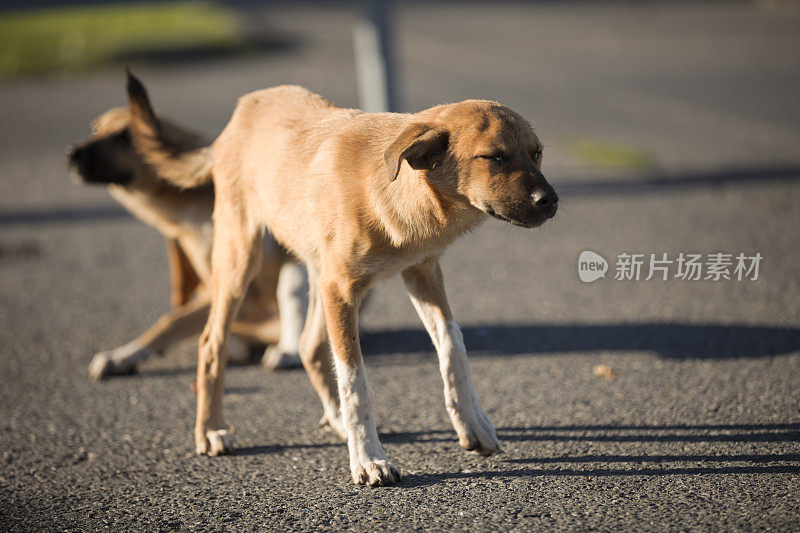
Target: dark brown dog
{"points": [[274, 309]]}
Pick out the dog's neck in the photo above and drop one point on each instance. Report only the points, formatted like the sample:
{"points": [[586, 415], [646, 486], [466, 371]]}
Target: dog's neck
{"points": [[165, 208], [413, 210]]}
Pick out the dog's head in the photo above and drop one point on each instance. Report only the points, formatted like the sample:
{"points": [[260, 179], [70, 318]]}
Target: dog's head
{"points": [[108, 156], [114, 156], [482, 152]]}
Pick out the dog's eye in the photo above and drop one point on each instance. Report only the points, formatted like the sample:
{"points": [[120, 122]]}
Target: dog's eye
{"points": [[537, 155], [498, 158]]}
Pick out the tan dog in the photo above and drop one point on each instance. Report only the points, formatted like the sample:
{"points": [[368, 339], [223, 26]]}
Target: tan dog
{"points": [[358, 197], [274, 310]]}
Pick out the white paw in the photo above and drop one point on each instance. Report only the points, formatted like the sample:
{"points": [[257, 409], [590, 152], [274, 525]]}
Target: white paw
{"points": [[109, 363], [334, 424], [275, 359], [374, 472], [475, 432], [214, 442], [238, 350]]}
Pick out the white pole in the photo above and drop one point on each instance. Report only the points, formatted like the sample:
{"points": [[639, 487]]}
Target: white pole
{"points": [[374, 60]]}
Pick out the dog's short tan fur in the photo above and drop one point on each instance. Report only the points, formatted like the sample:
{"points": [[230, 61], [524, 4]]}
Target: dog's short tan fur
{"points": [[358, 197], [183, 217]]}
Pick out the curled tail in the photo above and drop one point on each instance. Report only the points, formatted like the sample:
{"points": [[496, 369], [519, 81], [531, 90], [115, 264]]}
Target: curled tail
{"points": [[176, 156]]}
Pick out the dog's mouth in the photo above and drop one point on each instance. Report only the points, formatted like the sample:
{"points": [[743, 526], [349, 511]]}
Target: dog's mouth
{"points": [[76, 176], [534, 223]]}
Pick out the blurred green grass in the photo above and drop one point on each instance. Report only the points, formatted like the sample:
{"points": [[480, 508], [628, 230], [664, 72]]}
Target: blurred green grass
{"points": [[77, 38], [610, 155]]}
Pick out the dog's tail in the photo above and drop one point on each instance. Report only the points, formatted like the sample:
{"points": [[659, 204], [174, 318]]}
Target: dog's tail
{"points": [[181, 161]]}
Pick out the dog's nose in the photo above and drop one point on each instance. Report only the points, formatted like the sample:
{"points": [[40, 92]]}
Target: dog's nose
{"points": [[544, 197], [76, 155]]}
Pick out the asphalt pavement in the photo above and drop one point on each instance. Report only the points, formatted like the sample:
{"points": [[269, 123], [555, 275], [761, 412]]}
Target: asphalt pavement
{"points": [[693, 423]]}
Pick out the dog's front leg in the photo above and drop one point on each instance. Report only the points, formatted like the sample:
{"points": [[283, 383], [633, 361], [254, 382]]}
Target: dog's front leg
{"points": [[425, 286], [175, 326], [316, 357], [368, 462]]}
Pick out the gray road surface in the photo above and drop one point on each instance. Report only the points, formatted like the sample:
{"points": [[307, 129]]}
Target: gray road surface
{"points": [[701, 430]]}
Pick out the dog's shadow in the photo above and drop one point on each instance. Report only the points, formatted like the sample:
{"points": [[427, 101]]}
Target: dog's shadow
{"points": [[599, 464], [272, 449], [616, 465], [669, 340]]}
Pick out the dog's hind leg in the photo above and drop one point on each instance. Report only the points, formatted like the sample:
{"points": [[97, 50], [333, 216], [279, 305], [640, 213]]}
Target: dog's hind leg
{"points": [[292, 295], [368, 463], [315, 354], [184, 280], [181, 323], [425, 286], [235, 259]]}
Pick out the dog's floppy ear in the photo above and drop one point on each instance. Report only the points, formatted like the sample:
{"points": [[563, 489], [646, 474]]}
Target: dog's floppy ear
{"points": [[142, 114], [422, 145]]}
